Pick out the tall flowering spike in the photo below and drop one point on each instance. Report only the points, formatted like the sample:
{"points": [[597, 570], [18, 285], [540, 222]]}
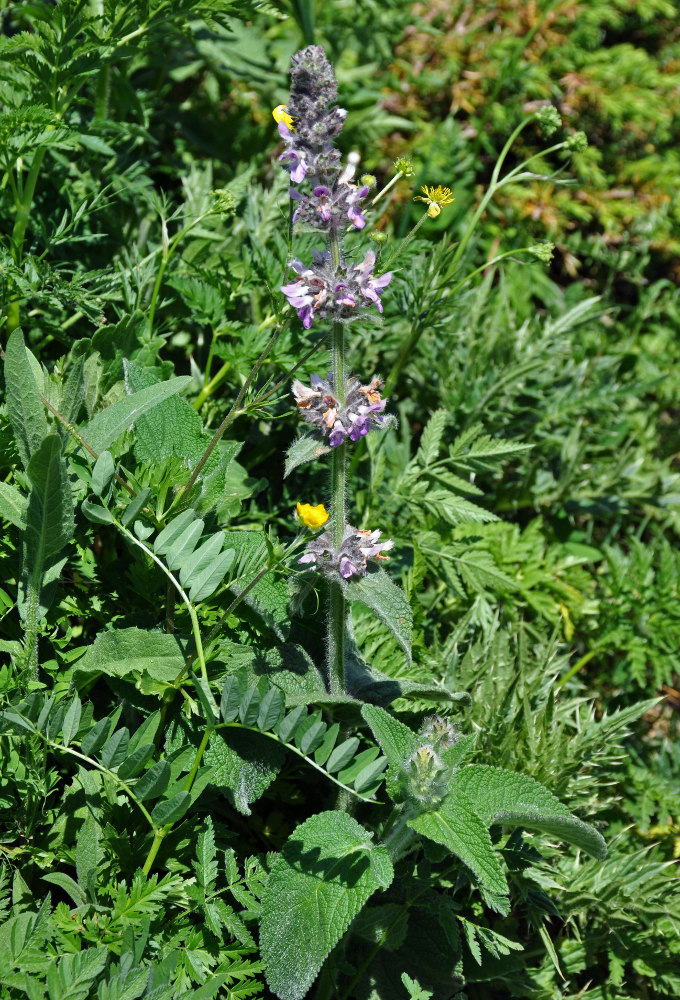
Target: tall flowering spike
{"points": [[350, 558], [353, 419], [309, 126]]}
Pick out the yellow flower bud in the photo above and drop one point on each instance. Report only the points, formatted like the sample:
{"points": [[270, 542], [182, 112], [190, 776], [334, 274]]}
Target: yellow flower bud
{"points": [[312, 517]]}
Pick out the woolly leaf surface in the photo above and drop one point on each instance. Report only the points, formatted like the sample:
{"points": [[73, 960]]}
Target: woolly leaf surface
{"points": [[387, 602], [324, 875], [515, 799], [456, 825]]}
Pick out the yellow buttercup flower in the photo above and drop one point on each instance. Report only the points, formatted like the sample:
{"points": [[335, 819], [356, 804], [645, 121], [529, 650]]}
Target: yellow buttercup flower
{"points": [[280, 114], [312, 517], [435, 198]]}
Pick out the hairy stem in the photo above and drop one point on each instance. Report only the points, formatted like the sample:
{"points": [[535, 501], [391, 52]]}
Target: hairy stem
{"points": [[336, 610]]}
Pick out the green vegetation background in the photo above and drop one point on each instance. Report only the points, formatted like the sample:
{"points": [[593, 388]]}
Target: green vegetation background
{"points": [[564, 611]]}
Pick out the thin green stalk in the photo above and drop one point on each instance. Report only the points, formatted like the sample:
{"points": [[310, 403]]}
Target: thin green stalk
{"points": [[165, 830], [100, 767], [178, 587], [23, 213], [237, 600], [165, 260], [580, 663], [233, 412], [209, 388], [406, 240]]}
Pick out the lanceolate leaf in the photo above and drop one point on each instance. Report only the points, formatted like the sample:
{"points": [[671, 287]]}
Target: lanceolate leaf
{"points": [[387, 602], [12, 505], [396, 740], [324, 875], [517, 800], [25, 409], [107, 425], [305, 449], [456, 825], [49, 525]]}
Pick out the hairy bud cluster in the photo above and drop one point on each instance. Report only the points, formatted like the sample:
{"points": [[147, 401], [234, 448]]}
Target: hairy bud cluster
{"points": [[438, 732], [309, 129], [427, 776], [354, 418], [351, 558]]}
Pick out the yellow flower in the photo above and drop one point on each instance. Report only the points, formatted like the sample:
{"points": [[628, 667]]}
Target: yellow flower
{"points": [[312, 517], [435, 198], [280, 114]]}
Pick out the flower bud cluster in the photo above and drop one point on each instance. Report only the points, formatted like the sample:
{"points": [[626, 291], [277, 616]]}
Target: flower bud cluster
{"points": [[439, 733], [427, 776], [361, 409], [548, 118], [323, 290], [351, 558], [577, 143]]}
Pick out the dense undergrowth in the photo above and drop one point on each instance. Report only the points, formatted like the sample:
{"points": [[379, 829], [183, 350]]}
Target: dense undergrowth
{"points": [[530, 486]]}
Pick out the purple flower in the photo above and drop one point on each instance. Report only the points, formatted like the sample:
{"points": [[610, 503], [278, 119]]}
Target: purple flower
{"points": [[372, 288], [325, 291], [354, 418], [351, 558], [338, 434], [347, 568], [328, 208], [297, 161], [353, 213]]}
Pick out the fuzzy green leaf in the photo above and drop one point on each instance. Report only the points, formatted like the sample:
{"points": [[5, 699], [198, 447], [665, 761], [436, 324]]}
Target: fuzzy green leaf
{"points": [[108, 425], [456, 825], [387, 602], [13, 505], [305, 449], [171, 428], [25, 409], [49, 526], [324, 875], [396, 740], [133, 653], [243, 764], [517, 800]]}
